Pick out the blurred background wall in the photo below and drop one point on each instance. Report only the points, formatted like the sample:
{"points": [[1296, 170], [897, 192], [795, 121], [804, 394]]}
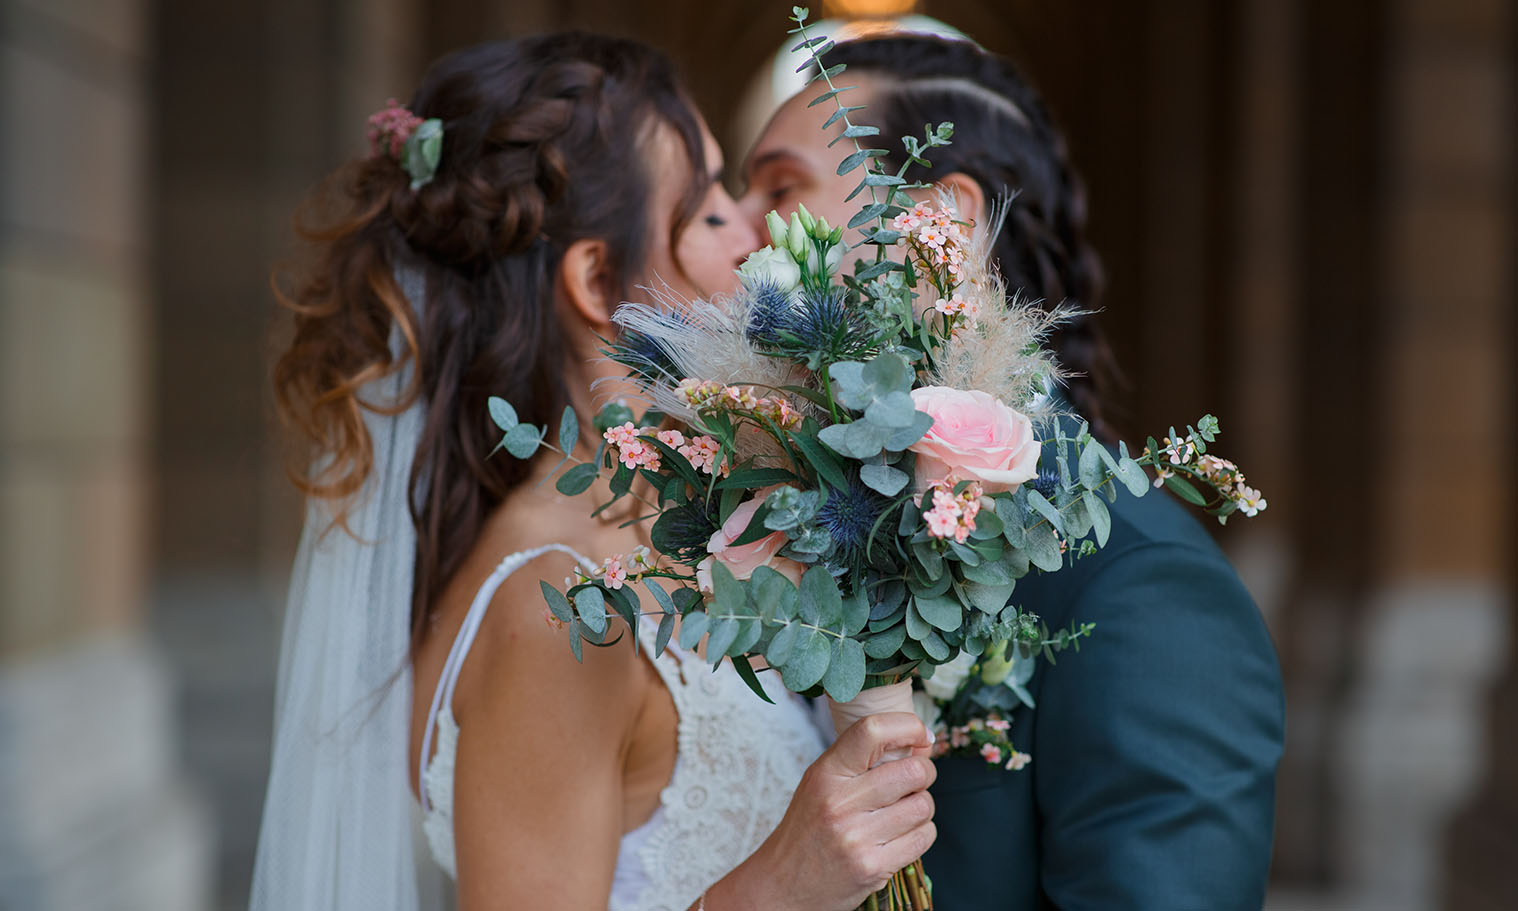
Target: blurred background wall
{"points": [[1309, 219]]}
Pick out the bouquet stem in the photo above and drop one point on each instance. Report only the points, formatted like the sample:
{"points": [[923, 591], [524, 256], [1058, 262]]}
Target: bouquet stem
{"points": [[908, 888]]}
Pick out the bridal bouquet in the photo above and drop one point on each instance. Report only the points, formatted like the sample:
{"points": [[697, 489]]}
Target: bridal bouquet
{"points": [[846, 472]]}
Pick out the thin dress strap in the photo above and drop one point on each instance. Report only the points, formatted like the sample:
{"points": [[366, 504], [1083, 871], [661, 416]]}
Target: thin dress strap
{"points": [[449, 679]]}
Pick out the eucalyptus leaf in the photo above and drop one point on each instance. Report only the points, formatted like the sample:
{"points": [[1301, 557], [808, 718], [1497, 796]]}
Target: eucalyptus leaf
{"points": [[576, 480], [884, 479], [856, 612], [944, 612], [867, 214], [859, 440], [1091, 474], [1101, 519], [501, 412], [989, 599], [1012, 519], [821, 602], [522, 441], [936, 647], [887, 642], [910, 434], [808, 661], [692, 628], [591, 606], [845, 674], [779, 651], [1046, 509], [988, 572], [558, 605], [1043, 548], [720, 635], [666, 629], [569, 430], [894, 410], [1132, 475], [915, 625]]}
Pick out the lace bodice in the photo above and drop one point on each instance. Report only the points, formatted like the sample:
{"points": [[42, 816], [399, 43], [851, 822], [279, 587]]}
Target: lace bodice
{"points": [[739, 759]]}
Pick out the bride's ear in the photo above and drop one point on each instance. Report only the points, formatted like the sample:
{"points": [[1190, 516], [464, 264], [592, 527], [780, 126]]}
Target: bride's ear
{"points": [[586, 279], [966, 189]]}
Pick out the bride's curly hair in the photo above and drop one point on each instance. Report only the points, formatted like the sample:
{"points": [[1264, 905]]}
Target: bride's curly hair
{"points": [[1005, 139], [544, 145]]}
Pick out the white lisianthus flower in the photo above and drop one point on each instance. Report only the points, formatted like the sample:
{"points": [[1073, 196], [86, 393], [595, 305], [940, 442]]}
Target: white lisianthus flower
{"points": [[771, 266], [948, 678], [834, 258], [926, 709]]}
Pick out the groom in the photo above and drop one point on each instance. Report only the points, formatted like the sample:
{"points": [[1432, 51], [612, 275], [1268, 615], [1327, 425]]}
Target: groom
{"points": [[1154, 747]]}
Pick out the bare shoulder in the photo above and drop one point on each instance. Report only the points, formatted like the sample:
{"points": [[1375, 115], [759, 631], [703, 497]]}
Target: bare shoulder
{"points": [[520, 663]]}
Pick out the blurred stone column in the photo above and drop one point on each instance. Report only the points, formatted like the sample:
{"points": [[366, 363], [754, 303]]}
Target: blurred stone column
{"points": [[1480, 869], [1411, 745], [94, 811]]}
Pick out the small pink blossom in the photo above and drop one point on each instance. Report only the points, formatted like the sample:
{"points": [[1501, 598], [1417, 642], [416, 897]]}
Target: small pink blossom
{"points": [[999, 724], [390, 127], [616, 573], [625, 435], [703, 452], [991, 753], [1018, 761], [674, 439], [959, 737]]}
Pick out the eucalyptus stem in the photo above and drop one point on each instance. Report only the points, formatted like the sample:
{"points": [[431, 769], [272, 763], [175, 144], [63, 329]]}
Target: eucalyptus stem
{"points": [[799, 17]]}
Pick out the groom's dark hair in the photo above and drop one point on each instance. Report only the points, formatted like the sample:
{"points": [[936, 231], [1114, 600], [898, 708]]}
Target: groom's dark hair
{"points": [[1004, 139], [545, 142]]}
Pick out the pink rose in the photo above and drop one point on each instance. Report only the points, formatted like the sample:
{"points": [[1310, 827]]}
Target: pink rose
{"points": [[743, 559], [974, 437]]}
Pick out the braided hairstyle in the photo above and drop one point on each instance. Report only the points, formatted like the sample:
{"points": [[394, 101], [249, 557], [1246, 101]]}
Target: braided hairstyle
{"points": [[1005, 140], [544, 145]]}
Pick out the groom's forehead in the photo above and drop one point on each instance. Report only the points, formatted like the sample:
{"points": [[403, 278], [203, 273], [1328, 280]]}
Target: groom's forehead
{"points": [[796, 128]]}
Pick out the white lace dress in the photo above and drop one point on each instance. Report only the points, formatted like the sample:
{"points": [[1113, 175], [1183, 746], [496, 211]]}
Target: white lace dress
{"points": [[739, 759]]}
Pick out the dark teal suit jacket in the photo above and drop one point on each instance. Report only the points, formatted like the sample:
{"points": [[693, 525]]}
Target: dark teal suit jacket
{"points": [[1154, 747]]}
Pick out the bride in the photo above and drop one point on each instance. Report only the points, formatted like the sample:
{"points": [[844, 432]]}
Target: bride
{"points": [[572, 170]]}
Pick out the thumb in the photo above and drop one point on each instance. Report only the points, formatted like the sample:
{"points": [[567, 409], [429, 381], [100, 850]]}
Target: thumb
{"points": [[867, 741]]}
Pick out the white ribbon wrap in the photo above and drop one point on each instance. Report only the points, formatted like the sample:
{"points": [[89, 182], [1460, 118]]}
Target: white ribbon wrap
{"points": [[895, 697]]}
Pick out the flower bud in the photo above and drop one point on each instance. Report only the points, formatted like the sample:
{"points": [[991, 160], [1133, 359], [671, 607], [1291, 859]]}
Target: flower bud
{"points": [[836, 238], [807, 221], [994, 665], [796, 239], [822, 229], [777, 228]]}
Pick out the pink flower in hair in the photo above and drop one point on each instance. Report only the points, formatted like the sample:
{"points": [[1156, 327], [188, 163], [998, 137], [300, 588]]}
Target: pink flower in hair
{"points": [[390, 127]]}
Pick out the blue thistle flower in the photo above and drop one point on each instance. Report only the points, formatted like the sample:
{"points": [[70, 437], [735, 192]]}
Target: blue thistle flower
{"points": [[824, 328], [769, 310], [643, 355], [848, 514], [1047, 483]]}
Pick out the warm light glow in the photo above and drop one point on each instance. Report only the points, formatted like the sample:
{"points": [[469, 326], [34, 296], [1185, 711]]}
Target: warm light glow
{"points": [[867, 9]]}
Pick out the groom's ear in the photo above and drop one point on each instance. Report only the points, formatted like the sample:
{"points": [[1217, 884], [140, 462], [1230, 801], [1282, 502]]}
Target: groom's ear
{"points": [[972, 199], [586, 279]]}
